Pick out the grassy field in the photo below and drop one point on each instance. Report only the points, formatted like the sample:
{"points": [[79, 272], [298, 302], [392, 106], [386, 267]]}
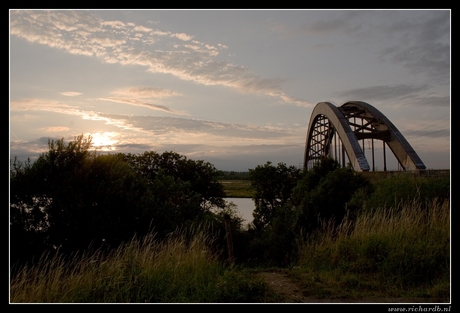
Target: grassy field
{"points": [[237, 188]]}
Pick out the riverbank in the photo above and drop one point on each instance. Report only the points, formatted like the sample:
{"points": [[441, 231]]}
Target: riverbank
{"points": [[238, 188]]}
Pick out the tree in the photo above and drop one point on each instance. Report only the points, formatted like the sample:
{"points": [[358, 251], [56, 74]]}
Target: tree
{"points": [[28, 225], [273, 186], [106, 202], [201, 176], [71, 197], [324, 192], [30, 197]]}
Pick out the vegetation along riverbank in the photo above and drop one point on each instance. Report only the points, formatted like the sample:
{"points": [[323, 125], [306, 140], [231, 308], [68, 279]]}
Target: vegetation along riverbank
{"points": [[155, 228]]}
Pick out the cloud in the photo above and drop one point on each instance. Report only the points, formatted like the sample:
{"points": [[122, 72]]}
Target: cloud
{"points": [[144, 104], [173, 129], [184, 129], [183, 36], [82, 33], [63, 108], [420, 42], [139, 28], [138, 92], [55, 129], [397, 95], [41, 105], [145, 92], [382, 92], [423, 44], [227, 146], [431, 101], [70, 93]]}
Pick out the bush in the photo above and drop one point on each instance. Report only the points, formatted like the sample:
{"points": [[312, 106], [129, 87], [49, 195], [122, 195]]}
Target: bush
{"points": [[324, 193]]}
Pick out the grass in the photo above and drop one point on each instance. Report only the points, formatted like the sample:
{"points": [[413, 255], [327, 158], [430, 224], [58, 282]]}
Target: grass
{"points": [[396, 252], [404, 187], [179, 270], [238, 188]]}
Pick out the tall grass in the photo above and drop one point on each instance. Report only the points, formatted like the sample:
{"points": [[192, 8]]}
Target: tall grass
{"points": [[181, 269], [404, 187], [402, 247]]}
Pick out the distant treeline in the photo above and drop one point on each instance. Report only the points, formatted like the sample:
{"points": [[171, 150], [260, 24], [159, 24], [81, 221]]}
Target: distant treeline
{"points": [[232, 175]]}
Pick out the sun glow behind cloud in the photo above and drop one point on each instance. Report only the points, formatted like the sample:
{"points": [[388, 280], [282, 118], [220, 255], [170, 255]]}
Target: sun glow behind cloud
{"points": [[104, 141]]}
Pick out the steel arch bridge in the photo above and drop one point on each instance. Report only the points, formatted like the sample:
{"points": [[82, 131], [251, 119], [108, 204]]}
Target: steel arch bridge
{"points": [[336, 131]]}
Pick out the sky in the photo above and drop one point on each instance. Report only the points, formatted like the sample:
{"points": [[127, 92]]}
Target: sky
{"points": [[235, 88]]}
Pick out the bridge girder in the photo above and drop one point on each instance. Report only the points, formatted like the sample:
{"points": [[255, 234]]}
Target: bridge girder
{"points": [[327, 120]]}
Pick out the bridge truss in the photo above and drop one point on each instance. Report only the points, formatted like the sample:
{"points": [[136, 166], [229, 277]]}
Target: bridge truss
{"points": [[337, 131]]}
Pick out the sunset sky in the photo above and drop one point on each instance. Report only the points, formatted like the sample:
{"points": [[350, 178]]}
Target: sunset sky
{"points": [[235, 88]]}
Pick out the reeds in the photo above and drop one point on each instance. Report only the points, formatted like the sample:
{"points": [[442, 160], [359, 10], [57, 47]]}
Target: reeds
{"points": [[405, 246]]}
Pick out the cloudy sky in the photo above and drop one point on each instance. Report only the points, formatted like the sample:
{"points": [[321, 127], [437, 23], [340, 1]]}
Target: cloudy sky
{"points": [[235, 88]]}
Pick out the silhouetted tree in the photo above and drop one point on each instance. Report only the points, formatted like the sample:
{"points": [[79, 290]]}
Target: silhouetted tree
{"points": [[272, 230], [71, 197], [324, 192], [201, 176], [28, 225], [273, 186]]}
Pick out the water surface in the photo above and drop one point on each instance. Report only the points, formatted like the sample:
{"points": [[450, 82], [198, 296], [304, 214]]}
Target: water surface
{"points": [[245, 206]]}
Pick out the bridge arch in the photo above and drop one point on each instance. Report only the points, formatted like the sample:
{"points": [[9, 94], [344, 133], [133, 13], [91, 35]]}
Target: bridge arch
{"points": [[349, 123]]}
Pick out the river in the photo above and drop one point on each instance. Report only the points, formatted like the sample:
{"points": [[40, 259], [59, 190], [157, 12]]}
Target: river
{"points": [[245, 207]]}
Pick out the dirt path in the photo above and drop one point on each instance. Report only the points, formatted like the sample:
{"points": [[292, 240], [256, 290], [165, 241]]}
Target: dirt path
{"points": [[283, 285], [286, 287]]}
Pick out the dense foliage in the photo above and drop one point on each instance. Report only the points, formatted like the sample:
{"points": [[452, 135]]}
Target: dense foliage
{"points": [[324, 193], [273, 186], [71, 197], [289, 201]]}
